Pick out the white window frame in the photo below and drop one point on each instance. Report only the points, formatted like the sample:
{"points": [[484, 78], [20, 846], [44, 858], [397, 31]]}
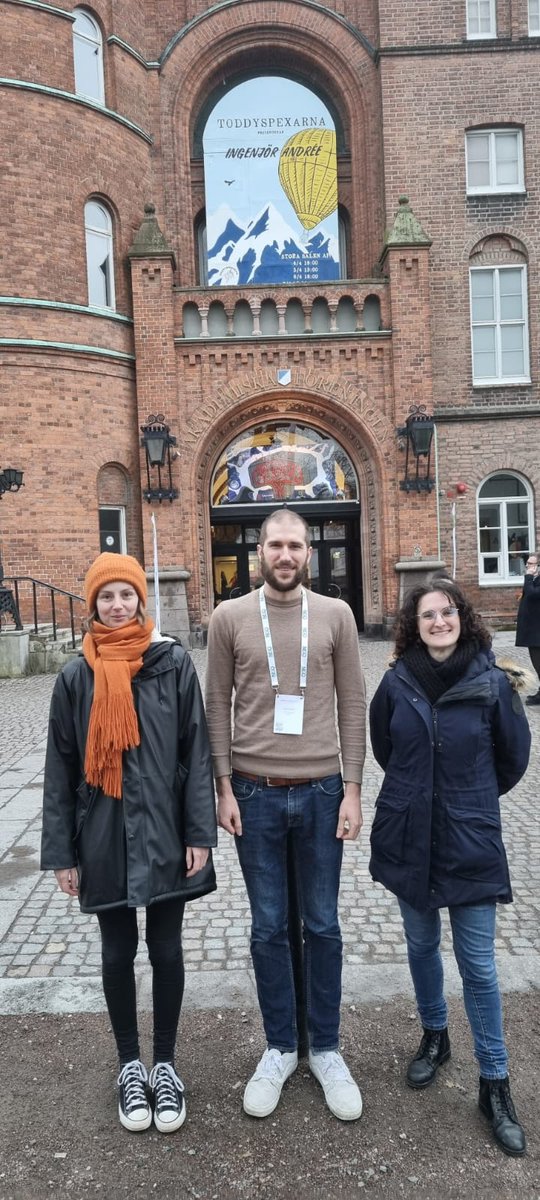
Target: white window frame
{"points": [[493, 135], [473, 16], [85, 43], [534, 18], [500, 380], [119, 508], [503, 575], [95, 235]]}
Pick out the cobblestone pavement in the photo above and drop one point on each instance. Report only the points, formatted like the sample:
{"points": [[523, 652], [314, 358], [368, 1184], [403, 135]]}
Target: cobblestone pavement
{"points": [[49, 951]]}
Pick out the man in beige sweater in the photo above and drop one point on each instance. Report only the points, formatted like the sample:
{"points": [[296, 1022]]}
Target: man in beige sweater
{"points": [[288, 654]]}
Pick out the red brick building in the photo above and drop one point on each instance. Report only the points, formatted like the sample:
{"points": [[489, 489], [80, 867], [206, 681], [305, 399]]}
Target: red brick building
{"points": [[107, 316]]}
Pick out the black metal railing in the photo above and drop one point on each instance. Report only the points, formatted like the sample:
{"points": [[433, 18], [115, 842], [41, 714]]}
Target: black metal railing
{"points": [[54, 593]]}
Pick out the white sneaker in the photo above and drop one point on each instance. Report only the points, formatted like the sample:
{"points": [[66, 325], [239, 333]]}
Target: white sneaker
{"points": [[341, 1093], [262, 1093]]}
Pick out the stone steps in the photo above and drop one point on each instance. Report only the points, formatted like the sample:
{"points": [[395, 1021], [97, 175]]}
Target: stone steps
{"points": [[24, 652], [47, 655]]}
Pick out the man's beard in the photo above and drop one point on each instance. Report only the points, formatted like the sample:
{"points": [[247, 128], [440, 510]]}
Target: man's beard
{"points": [[282, 585]]}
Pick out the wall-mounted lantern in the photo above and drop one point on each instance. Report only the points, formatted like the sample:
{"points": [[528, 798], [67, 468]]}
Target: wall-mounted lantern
{"points": [[418, 435], [10, 481], [157, 442]]}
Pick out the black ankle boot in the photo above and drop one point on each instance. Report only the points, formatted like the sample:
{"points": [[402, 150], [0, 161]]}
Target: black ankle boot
{"points": [[496, 1104], [433, 1050]]}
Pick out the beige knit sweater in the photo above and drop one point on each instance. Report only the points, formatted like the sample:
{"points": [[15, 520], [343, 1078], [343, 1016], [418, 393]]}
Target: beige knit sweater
{"points": [[237, 662]]}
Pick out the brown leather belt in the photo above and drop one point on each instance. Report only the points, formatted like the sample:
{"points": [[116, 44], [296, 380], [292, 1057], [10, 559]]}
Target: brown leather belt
{"points": [[271, 780]]}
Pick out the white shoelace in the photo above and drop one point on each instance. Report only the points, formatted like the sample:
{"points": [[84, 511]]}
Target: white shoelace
{"points": [[166, 1085], [270, 1066], [333, 1066], [132, 1078]]}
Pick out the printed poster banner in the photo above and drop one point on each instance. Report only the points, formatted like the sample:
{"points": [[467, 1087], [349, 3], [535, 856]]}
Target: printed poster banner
{"points": [[271, 186]]}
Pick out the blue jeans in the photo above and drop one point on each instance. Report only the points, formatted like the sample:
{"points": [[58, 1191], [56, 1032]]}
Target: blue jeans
{"points": [[473, 934], [308, 815]]}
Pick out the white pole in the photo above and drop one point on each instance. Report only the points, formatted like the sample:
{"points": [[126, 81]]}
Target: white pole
{"points": [[454, 540], [437, 497], [156, 573]]}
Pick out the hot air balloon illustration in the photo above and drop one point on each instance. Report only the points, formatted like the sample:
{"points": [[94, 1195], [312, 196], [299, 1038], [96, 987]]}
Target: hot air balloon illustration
{"points": [[308, 174]]}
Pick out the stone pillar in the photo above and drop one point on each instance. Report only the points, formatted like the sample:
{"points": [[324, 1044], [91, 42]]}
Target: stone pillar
{"points": [[406, 260], [152, 278], [172, 602], [415, 572], [14, 653]]}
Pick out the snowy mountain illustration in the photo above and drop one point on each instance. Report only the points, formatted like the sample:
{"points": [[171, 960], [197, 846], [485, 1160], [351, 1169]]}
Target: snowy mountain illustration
{"points": [[266, 251]]}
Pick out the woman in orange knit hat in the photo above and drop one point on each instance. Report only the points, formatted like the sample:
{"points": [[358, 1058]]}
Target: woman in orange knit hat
{"points": [[129, 816]]}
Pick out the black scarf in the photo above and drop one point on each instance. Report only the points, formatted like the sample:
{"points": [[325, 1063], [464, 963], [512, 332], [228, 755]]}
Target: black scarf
{"points": [[436, 678]]}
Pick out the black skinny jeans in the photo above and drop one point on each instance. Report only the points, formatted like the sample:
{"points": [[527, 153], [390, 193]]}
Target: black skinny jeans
{"points": [[119, 941], [534, 652]]}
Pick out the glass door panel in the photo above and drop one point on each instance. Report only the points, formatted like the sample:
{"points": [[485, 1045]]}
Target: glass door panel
{"points": [[338, 575], [226, 573], [314, 573], [334, 569], [254, 570]]}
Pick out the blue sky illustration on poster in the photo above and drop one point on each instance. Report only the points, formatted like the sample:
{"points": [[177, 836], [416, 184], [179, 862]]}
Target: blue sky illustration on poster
{"points": [[260, 229]]}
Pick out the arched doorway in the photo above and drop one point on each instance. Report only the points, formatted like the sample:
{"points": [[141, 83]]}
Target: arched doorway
{"points": [[284, 462]]}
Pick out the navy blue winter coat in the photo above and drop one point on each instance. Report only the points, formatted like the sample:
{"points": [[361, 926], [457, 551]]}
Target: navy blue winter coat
{"points": [[436, 838]]}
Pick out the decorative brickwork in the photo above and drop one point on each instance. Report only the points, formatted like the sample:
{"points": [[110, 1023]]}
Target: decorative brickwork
{"points": [[405, 84]]}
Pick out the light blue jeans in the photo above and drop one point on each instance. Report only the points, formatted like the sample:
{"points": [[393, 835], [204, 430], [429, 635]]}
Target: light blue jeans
{"points": [[473, 934], [308, 815]]}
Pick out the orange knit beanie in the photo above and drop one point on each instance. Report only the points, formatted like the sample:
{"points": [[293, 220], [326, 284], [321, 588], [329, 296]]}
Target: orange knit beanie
{"points": [[112, 568]]}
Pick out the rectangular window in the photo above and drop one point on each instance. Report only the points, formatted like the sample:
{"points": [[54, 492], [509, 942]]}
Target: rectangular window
{"points": [[500, 350], [495, 161], [534, 18], [112, 529], [481, 21]]}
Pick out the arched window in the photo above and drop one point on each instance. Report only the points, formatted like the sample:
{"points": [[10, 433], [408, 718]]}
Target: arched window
{"points": [[283, 461], [88, 56], [371, 315], [99, 255], [217, 320], [271, 193], [505, 528], [192, 325]]}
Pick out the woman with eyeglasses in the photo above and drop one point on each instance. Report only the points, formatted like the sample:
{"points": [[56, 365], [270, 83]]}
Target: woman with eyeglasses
{"points": [[451, 735]]}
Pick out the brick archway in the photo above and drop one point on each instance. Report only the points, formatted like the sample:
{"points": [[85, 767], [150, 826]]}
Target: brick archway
{"points": [[342, 412], [216, 47]]}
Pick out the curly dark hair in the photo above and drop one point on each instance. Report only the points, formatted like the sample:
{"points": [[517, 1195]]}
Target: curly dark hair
{"points": [[406, 626]]}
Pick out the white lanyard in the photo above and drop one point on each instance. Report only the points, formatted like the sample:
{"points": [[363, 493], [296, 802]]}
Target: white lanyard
{"points": [[270, 648]]}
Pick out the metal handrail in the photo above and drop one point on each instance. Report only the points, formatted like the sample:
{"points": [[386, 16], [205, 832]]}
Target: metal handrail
{"points": [[53, 593]]}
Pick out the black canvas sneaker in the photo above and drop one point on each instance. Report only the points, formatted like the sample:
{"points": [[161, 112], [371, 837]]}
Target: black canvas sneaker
{"points": [[133, 1104], [168, 1091]]}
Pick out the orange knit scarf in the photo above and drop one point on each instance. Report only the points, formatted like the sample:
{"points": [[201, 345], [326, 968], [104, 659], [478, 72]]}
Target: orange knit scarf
{"points": [[115, 656]]}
